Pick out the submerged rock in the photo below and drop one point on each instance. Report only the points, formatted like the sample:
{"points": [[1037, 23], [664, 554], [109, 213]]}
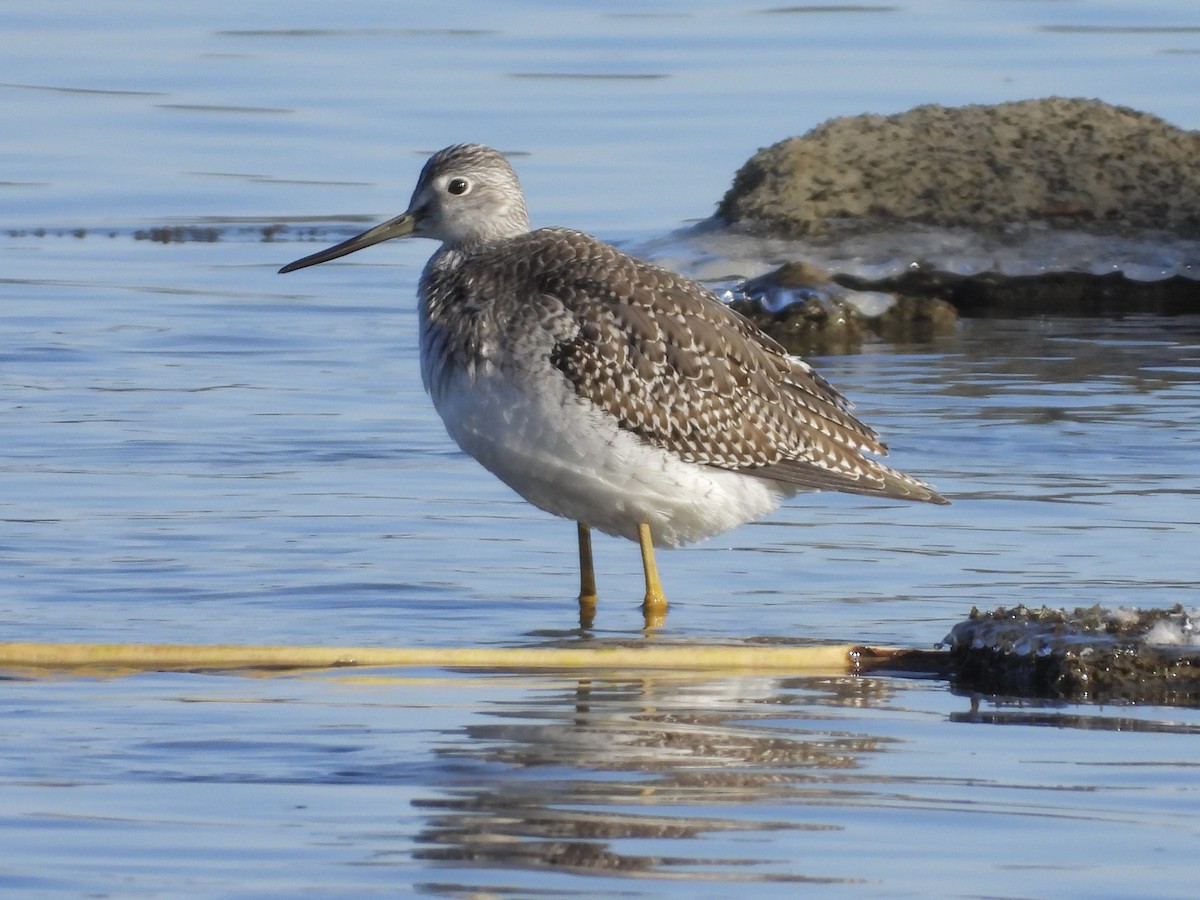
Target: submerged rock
{"points": [[1096, 654], [809, 313], [1070, 162], [1060, 293]]}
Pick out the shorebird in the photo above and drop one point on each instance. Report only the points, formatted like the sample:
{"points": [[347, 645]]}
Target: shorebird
{"points": [[607, 390]]}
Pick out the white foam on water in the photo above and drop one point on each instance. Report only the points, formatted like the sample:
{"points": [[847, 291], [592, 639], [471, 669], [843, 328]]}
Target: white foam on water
{"points": [[1180, 632], [706, 252]]}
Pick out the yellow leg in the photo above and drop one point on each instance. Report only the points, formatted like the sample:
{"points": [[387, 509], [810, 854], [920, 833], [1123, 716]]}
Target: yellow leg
{"points": [[654, 607], [587, 578]]}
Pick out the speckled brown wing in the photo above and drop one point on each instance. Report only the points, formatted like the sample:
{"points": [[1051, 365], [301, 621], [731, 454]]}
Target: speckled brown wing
{"points": [[677, 367]]}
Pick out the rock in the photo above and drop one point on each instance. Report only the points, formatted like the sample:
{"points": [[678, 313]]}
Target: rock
{"points": [[810, 314], [1090, 654], [1075, 163], [1054, 293]]}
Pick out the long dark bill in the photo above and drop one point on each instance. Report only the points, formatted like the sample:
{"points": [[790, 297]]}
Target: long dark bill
{"points": [[401, 226]]}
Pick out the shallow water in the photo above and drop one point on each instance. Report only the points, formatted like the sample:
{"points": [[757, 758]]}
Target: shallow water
{"points": [[520, 784], [198, 450]]}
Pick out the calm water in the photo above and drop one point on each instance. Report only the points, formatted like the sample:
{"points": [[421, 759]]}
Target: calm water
{"points": [[198, 450]]}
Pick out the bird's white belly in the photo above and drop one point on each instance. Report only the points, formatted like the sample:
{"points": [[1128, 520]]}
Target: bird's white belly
{"points": [[566, 457]]}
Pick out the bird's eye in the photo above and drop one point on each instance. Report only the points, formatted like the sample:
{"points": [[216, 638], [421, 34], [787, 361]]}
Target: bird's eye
{"points": [[458, 186]]}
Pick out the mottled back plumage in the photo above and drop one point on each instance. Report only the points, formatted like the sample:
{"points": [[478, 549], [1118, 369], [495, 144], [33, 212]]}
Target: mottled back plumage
{"points": [[662, 355]]}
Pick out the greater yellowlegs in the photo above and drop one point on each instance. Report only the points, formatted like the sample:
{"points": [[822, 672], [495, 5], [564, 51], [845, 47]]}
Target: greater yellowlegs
{"points": [[605, 389]]}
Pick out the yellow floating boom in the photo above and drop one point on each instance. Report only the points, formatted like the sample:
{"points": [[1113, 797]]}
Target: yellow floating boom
{"points": [[681, 657]]}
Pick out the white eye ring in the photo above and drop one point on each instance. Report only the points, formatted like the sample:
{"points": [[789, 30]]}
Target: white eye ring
{"points": [[458, 186]]}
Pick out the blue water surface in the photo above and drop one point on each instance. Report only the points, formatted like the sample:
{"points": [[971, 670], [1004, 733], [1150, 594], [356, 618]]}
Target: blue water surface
{"points": [[197, 450]]}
